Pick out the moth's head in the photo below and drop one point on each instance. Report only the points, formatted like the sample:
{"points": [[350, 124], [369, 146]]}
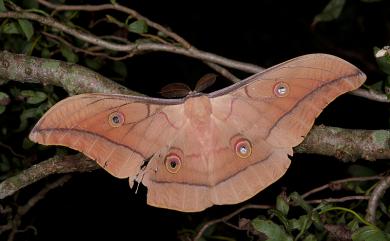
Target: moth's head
{"points": [[181, 90]]}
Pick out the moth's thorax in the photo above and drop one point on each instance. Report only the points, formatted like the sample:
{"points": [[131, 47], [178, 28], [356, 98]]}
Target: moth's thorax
{"points": [[198, 109]]}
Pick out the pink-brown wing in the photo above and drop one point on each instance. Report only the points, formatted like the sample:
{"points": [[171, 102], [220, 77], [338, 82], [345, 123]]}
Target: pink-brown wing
{"points": [[211, 172], [307, 84], [272, 111], [117, 131]]}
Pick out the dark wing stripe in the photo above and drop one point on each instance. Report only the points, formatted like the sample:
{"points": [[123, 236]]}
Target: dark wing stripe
{"points": [[219, 182], [84, 132]]}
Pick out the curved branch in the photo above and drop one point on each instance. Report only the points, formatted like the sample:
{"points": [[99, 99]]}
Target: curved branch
{"points": [[375, 197], [56, 164], [337, 183], [115, 6], [226, 218], [346, 144], [134, 48], [72, 77]]}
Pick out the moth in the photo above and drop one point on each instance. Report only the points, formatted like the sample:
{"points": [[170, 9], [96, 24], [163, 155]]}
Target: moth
{"points": [[204, 149]]}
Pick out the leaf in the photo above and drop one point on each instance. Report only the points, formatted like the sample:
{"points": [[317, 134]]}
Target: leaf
{"points": [[331, 11], [353, 224], [282, 205], [27, 144], [162, 34], [283, 219], [273, 231], [68, 54], [45, 53], [383, 61], [300, 223], [310, 237], [377, 86], [11, 28], [370, 233], [4, 99], [95, 63], [138, 26], [28, 48], [360, 171], [128, 19], [26, 114], [113, 20], [2, 7], [26, 27], [298, 201], [119, 68], [4, 164], [30, 4], [33, 97]]}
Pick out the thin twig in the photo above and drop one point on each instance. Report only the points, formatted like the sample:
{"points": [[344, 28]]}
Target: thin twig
{"points": [[376, 195], [224, 72], [22, 210], [131, 12], [329, 185], [135, 48], [14, 222], [85, 51], [11, 150], [226, 218], [338, 200]]}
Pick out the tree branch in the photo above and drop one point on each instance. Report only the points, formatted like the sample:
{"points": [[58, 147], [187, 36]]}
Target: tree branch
{"points": [[375, 197], [371, 95], [346, 144], [73, 78], [56, 164]]}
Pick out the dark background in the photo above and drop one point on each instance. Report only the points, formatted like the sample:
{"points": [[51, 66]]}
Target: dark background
{"points": [[96, 205]]}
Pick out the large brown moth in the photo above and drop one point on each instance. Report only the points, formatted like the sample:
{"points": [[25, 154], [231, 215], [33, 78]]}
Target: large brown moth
{"points": [[218, 148]]}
